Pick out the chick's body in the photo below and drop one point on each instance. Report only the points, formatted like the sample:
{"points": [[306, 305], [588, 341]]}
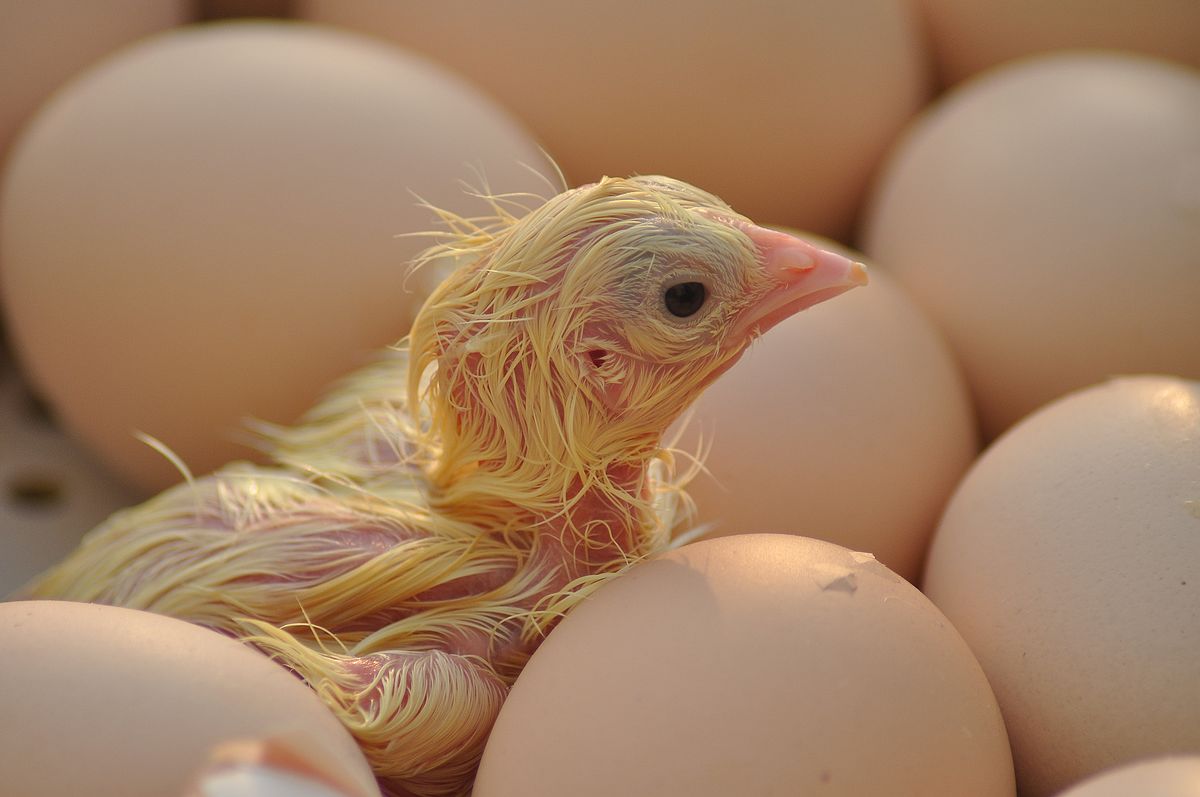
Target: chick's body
{"points": [[433, 516]]}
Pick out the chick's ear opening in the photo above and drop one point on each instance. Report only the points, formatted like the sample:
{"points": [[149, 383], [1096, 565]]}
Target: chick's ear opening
{"points": [[603, 367], [599, 358]]}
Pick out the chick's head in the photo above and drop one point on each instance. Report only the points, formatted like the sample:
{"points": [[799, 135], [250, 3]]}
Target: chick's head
{"points": [[595, 320]]}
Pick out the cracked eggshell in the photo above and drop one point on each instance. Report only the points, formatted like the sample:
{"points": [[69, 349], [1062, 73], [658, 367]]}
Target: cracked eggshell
{"points": [[752, 664], [100, 700], [1069, 558]]}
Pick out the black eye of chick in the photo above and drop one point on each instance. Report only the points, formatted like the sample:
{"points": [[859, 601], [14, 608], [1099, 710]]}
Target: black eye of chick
{"points": [[685, 298]]}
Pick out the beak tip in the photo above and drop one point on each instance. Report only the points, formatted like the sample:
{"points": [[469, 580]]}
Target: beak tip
{"points": [[858, 274]]}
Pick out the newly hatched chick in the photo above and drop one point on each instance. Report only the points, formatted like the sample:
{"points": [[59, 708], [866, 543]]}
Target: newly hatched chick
{"points": [[415, 545]]}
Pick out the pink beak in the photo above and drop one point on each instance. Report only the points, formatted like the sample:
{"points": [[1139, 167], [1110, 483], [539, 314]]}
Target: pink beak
{"points": [[800, 275]]}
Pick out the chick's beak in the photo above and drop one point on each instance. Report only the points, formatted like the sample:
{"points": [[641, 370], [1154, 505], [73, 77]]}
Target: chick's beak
{"points": [[800, 275]]}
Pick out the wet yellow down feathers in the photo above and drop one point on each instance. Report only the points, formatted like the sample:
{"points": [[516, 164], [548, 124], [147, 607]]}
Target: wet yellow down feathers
{"points": [[424, 526]]}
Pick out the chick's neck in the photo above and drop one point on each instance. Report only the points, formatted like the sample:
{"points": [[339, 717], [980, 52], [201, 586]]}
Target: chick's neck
{"points": [[536, 459]]}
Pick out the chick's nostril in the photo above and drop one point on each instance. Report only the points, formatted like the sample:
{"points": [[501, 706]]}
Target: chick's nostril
{"points": [[801, 262], [799, 265], [791, 259]]}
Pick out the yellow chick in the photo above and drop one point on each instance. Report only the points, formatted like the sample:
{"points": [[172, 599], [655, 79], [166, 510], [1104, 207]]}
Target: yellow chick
{"points": [[436, 514]]}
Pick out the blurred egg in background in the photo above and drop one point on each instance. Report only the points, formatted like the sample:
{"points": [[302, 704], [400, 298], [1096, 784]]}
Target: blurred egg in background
{"points": [[849, 422], [781, 109], [169, 691], [44, 44], [968, 36], [205, 227], [1047, 217], [1069, 559], [752, 664]]}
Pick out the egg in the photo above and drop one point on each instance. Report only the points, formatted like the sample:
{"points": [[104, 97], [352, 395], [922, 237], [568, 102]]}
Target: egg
{"points": [[44, 44], [1069, 558], [781, 109], [1047, 217], [1177, 776], [752, 664], [218, 221], [850, 422], [100, 700], [968, 36], [51, 490]]}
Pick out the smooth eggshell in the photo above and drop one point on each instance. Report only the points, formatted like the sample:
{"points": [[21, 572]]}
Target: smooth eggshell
{"points": [[1176, 776], [1069, 559], [848, 422], [45, 43], [100, 700], [210, 225], [1047, 216], [781, 109], [755, 664], [968, 36]]}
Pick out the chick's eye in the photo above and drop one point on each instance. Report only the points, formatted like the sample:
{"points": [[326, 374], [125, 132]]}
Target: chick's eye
{"points": [[685, 298]]}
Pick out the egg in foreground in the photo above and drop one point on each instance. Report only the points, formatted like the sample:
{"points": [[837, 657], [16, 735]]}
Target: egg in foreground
{"points": [[1069, 558], [752, 664], [100, 700]]}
